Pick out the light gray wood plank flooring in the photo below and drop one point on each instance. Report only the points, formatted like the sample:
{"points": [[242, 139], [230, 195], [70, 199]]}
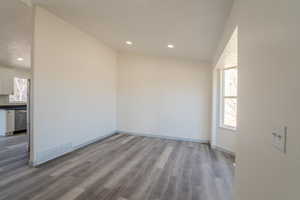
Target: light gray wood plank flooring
{"points": [[121, 167]]}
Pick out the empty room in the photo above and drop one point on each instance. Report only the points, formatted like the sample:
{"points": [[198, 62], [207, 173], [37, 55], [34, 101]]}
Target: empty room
{"points": [[149, 100]]}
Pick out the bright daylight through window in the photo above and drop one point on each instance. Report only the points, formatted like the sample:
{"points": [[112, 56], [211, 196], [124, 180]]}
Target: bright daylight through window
{"points": [[20, 91], [229, 94]]}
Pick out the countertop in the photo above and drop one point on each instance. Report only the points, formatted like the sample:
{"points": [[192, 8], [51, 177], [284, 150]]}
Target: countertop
{"points": [[13, 107]]}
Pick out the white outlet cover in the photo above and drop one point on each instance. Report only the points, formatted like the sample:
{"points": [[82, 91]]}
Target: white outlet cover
{"points": [[279, 139]]}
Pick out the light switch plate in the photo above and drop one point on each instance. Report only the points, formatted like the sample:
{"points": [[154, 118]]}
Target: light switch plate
{"points": [[279, 139]]}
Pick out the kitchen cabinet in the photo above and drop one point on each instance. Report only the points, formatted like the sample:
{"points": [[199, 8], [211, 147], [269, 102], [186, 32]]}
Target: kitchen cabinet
{"points": [[6, 82], [7, 122], [6, 86]]}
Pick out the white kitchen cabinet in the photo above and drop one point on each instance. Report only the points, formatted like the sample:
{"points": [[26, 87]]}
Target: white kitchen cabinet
{"points": [[6, 82], [7, 122], [3, 124], [6, 87]]}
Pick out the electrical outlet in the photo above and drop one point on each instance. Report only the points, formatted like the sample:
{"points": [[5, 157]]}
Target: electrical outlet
{"points": [[279, 139]]}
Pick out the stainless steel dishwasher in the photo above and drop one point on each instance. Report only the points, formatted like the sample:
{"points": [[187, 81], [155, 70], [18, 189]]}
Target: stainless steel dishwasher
{"points": [[20, 120]]}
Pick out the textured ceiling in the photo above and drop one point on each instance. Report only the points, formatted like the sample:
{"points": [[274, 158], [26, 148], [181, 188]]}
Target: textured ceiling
{"points": [[193, 26], [15, 33]]}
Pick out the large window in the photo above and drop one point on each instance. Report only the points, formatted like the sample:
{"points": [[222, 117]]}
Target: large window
{"points": [[229, 97], [20, 91]]}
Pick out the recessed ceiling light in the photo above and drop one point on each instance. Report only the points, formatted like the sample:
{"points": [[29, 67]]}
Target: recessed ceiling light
{"points": [[129, 42], [171, 46], [20, 59]]}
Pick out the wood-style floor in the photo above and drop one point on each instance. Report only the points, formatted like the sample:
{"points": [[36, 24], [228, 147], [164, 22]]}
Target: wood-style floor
{"points": [[121, 167]]}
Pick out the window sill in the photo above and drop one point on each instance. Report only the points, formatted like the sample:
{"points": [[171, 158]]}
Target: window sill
{"points": [[228, 128], [17, 102]]}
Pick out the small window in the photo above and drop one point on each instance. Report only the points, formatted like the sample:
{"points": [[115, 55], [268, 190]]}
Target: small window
{"points": [[20, 91], [229, 97]]}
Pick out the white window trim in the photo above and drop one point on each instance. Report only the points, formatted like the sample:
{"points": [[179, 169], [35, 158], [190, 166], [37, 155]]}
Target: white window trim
{"points": [[222, 99]]}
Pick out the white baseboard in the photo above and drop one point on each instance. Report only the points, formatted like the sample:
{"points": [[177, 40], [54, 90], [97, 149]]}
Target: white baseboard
{"points": [[166, 137], [68, 148], [222, 150], [61, 150], [93, 141]]}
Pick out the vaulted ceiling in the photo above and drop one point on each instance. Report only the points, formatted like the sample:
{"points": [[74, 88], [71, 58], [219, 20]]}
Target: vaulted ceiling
{"points": [[194, 27]]}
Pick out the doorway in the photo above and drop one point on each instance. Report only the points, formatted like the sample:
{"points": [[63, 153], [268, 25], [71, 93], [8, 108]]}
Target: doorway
{"points": [[14, 124], [16, 19]]}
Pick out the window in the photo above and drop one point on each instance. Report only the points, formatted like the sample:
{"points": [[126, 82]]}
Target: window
{"points": [[229, 97], [20, 91]]}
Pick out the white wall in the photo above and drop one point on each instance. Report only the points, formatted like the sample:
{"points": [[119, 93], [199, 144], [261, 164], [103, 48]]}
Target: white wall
{"points": [[226, 54], [166, 97], [74, 87], [269, 96], [10, 73]]}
